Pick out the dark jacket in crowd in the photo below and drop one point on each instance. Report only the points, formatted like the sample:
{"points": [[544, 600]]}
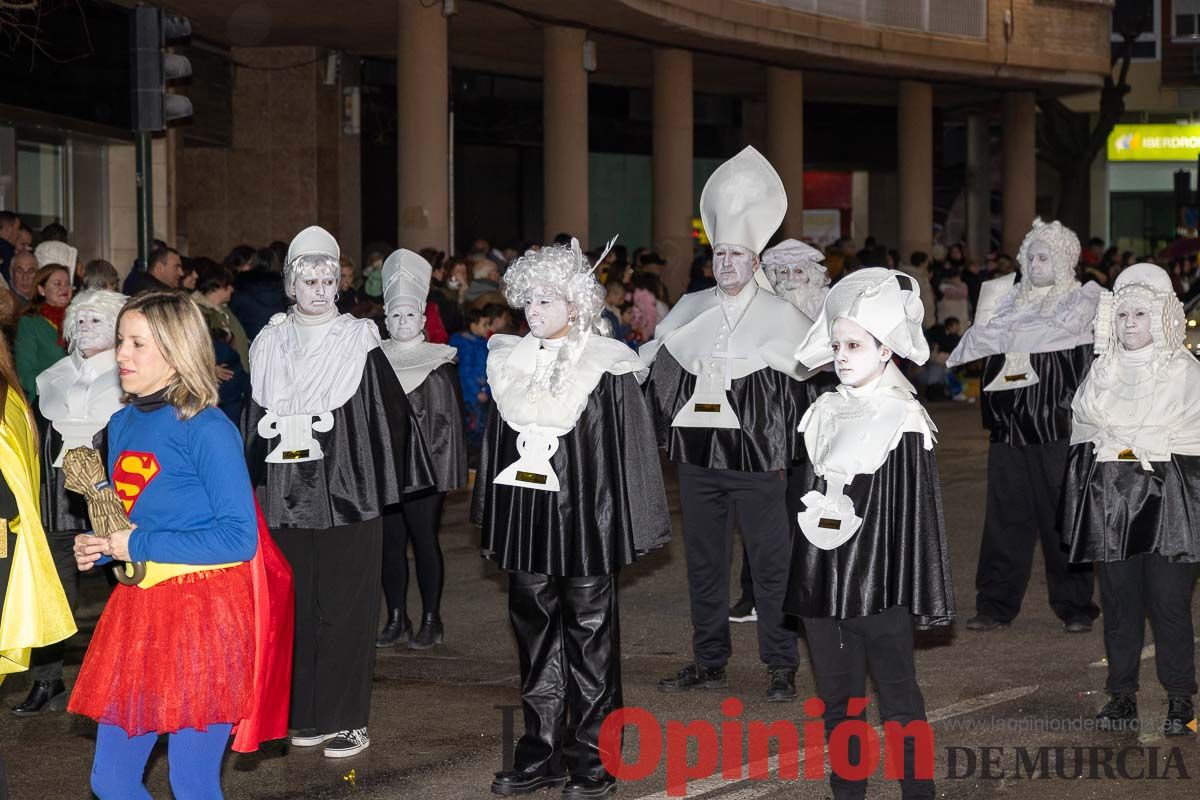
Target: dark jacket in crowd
{"points": [[257, 296], [141, 281]]}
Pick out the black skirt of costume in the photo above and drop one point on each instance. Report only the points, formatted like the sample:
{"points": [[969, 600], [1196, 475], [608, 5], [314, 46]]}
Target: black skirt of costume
{"points": [[611, 508], [1040, 413], [437, 408], [62, 511], [1115, 510], [768, 404], [898, 557], [369, 459]]}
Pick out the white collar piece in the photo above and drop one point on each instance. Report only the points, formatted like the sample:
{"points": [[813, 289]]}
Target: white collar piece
{"points": [[78, 395], [851, 432], [413, 361]]}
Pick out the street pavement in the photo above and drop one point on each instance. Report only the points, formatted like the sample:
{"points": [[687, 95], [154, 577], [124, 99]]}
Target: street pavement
{"points": [[437, 732]]}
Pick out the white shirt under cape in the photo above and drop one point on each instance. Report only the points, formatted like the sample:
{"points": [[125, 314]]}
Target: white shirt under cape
{"points": [[413, 361], [288, 380], [759, 327], [78, 395], [1143, 401]]}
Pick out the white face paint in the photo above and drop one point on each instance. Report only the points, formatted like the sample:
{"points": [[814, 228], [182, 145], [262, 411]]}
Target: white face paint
{"points": [[1133, 324], [791, 276], [547, 313], [94, 333], [316, 292], [857, 358], [1039, 265], [405, 320], [733, 267]]}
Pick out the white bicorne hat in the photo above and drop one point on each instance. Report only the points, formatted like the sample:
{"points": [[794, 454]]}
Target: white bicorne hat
{"points": [[406, 275], [743, 202], [886, 302], [57, 253], [313, 240]]}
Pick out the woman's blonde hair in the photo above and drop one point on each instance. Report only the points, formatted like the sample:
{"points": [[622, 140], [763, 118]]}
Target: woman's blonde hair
{"points": [[182, 337]]}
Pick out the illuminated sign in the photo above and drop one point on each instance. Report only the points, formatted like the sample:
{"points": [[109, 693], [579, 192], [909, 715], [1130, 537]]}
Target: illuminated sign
{"points": [[1154, 143]]}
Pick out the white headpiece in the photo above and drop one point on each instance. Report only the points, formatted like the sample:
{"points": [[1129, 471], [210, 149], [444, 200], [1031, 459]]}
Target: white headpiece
{"points": [[102, 301], [312, 249], [793, 251], [743, 202], [57, 253], [886, 302], [1151, 282], [406, 274]]}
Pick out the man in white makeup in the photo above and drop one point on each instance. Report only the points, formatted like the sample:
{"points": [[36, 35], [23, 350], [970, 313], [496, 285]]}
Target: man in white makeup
{"points": [[329, 447], [727, 395], [1129, 500], [1037, 338], [569, 490], [870, 555], [430, 379], [76, 396], [797, 275]]}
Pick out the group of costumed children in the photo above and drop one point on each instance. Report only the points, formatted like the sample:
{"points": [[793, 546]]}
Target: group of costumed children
{"points": [[782, 403]]}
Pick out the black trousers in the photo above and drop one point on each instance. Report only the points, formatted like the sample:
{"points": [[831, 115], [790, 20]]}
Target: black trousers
{"points": [[796, 490], [46, 663], [569, 644], [337, 620], [1023, 492], [1131, 589], [843, 651], [417, 520], [712, 499]]}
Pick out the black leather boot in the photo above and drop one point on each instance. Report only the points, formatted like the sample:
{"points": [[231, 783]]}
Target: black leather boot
{"points": [[43, 696], [430, 634], [397, 630]]}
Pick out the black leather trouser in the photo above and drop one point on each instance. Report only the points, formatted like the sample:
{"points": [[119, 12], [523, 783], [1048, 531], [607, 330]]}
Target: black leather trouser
{"points": [[569, 642]]}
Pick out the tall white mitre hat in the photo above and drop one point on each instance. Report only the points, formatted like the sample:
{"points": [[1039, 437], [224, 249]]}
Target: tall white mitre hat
{"points": [[405, 275], [313, 240], [886, 302], [743, 202]]}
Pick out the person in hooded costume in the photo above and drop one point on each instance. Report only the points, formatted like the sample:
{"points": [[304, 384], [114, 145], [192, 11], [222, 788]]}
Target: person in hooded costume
{"points": [[727, 396], [870, 555], [430, 380], [569, 490], [328, 444], [1036, 337], [75, 399], [1130, 496]]}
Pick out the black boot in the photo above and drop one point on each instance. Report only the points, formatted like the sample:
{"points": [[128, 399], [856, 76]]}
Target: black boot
{"points": [[397, 630], [1181, 716], [1119, 714], [430, 634], [43, 696]]}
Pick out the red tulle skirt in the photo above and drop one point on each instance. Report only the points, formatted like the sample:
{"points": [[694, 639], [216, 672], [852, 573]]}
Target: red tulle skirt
{"points": [[177, 655]]}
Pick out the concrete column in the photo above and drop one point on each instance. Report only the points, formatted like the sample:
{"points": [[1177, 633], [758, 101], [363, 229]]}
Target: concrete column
{"points": [[422, 132], [785, 141], [978, 194], [673, 202], [1020, 167], [565, 133], [915, 134]]}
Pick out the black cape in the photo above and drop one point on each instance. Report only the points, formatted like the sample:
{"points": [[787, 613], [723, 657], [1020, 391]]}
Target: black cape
{"points": [[1115, 510], [62, 511], [768, 403], [899, 557], [612, 505], [1040, 413], [371, 459], [438, 410]]}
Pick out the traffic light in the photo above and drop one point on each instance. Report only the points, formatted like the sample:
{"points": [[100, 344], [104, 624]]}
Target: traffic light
{"points": [[151, 68]]}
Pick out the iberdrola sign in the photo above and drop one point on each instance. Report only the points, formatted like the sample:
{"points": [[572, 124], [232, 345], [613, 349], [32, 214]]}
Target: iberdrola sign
{"points": [[1154, 143]]}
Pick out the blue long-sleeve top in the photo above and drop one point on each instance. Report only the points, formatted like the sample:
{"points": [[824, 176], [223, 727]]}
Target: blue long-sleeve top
{"points": [[185, 486]]}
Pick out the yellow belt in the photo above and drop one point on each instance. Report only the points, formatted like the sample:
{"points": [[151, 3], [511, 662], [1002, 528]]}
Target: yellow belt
{"points": [[156, 573]]}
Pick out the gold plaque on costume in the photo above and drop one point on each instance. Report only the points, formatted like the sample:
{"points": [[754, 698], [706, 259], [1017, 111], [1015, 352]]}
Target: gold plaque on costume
{"points": [[1126, 455], [829, 524], [1020, 376], [292, 455], [707, 408], [531, 477]]}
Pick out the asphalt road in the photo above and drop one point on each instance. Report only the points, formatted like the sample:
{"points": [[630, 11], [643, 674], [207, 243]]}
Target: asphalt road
{"points": [[436, 731]]}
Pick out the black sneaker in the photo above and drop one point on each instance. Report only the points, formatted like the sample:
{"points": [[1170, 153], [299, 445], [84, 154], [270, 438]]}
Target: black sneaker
{"points": [[513, 782], [348, 743], [1078, 625], [1181, 716], [694, 676], [310, 737], [743, 611], [1119, 714], [781, 688], [589, 788], [982, 622]]}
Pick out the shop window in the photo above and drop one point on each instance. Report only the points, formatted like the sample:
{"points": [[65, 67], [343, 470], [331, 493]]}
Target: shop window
{"points": [[1187, 21], [41, 181]]}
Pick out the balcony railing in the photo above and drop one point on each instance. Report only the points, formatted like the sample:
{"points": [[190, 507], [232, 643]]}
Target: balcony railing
{"points": [[942, 17]]}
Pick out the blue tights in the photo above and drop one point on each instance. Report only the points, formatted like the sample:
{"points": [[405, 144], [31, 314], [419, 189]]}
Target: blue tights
{"points": [[193, 758]]}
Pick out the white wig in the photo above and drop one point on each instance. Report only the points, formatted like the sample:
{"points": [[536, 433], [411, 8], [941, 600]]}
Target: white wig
{"points": [[100, 301], [309, 266], [1064, 254]]}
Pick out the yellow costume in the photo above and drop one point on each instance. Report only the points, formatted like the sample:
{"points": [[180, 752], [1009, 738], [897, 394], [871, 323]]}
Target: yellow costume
{"points": [[35, 611]]}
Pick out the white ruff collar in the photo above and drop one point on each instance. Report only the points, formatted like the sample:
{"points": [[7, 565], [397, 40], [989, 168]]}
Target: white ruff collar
{"points": [[759, 331], [288, 379], [78, 395], [851, 432], [413, 361]]}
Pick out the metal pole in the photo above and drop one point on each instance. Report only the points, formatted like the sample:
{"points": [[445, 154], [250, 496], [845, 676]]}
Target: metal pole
{"points": [[145, 202]]}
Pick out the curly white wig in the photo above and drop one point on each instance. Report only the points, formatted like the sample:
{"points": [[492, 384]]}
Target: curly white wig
{"points": [[1064, 253], [1148, 286], [308, 266], [101, 301]]}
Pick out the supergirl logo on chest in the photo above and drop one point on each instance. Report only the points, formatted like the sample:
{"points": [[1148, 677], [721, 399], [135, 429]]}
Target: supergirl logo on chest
{"points": [[132, 473]]}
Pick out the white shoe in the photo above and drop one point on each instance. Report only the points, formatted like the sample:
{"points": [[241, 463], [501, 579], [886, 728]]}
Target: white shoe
{"points": [[309, 737], [348, 743]]}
